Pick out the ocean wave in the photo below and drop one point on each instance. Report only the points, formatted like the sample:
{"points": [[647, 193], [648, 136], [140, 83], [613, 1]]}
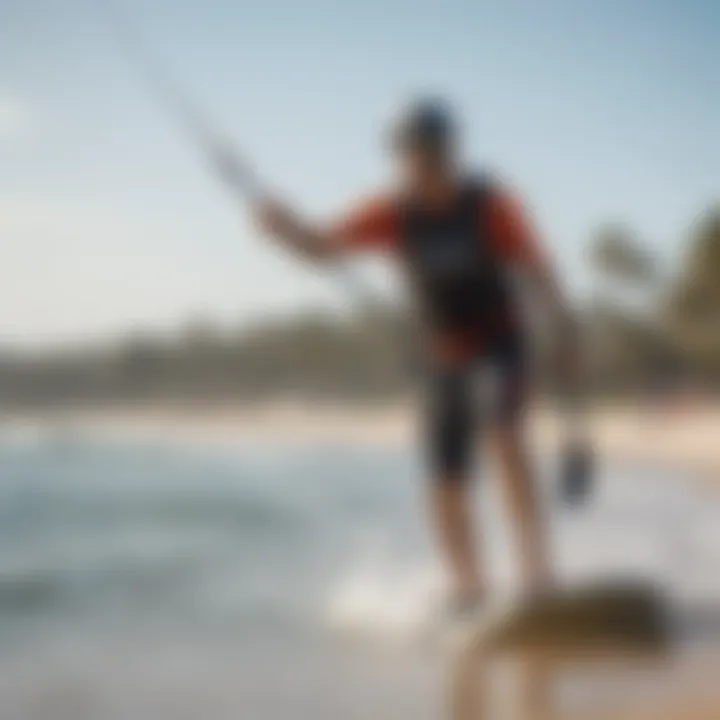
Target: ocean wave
{"points": [[156, 582], [44, 511], [26, 593]]}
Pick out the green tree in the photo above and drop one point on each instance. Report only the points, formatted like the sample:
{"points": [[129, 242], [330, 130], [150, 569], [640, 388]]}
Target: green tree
{"points": [[692, 310], [616, 256], [625, 343]]}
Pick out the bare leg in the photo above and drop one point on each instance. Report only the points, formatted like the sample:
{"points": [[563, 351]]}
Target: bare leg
{"points": [[524, 506], [452, 515]]}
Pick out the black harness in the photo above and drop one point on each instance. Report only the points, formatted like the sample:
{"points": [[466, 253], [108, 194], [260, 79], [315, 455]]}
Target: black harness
{"points": [[459, 282]]}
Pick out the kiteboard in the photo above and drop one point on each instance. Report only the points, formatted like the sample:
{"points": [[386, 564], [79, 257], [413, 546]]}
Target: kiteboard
{"points": [[620, 614]]}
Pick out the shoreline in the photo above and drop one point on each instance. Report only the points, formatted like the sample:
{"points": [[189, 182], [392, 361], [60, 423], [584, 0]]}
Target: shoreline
{"points": [[681, 438]]}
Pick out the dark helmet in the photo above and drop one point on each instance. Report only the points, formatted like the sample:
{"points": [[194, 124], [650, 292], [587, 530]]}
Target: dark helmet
{"points": [[425, 123]]}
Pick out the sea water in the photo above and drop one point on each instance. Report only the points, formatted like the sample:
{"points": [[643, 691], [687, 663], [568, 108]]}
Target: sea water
{"points": [[152, 580]]}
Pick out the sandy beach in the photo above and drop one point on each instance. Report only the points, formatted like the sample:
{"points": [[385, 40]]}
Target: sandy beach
{"points": [[674, 438]]}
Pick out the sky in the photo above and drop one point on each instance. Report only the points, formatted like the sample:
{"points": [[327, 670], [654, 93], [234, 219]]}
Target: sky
{"points": [[110, 220]]}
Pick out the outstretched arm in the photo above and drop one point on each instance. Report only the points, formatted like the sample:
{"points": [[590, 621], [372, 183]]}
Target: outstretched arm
{"points": [[370, 226], [295, 233]]}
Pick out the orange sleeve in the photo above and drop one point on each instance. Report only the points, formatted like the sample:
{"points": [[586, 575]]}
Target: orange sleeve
{"points": [[513, 237], [372, 225]]}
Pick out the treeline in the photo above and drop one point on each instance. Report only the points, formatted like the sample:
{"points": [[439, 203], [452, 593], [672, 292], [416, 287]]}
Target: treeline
{"points": [[648, 326], [312, 355], [655, 324]]}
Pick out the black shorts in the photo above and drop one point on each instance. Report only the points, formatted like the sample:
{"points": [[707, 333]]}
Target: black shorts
{"points": [[489, 387]]}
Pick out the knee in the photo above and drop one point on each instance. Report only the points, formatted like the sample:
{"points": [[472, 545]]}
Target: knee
{"points": [[454, 478]]}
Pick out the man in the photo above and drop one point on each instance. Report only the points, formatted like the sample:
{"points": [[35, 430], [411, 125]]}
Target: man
{"points": [[458, 239]]}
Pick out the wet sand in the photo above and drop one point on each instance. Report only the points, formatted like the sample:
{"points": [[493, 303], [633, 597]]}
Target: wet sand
{"points": [[181, 681], [677, 686]]}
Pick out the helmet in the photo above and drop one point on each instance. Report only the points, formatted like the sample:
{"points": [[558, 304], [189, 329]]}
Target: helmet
{"points": [[425, 123]]}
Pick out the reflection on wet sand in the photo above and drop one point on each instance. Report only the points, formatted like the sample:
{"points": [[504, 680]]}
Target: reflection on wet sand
{"points": [[614, 650], [674, 685]]}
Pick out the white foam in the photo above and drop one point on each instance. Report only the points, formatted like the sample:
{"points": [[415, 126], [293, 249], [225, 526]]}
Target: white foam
{"points": [[384, 600]]}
